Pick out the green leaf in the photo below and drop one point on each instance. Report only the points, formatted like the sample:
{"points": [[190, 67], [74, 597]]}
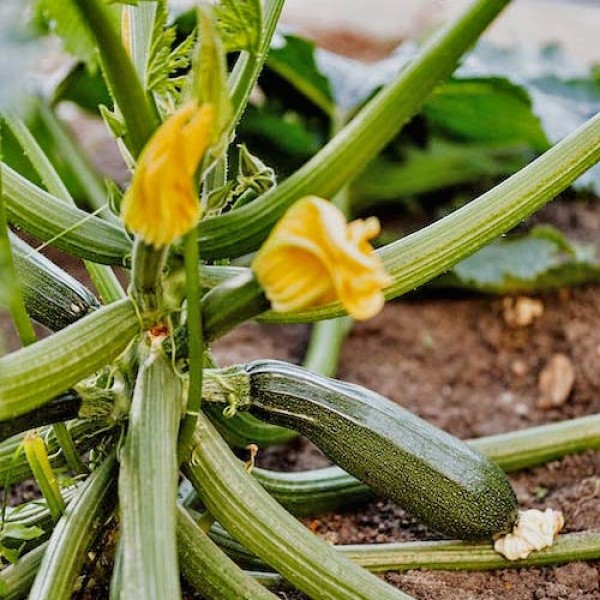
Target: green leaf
{"points": [[10, 554], [240, 24], [24, 533], [486, 110], [165, 61], [564, 95], [543, 259], [294, 59], [442, 164]]}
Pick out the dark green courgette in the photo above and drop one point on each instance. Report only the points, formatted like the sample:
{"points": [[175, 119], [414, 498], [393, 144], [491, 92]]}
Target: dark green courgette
{"points": [[439, 479], [52, 297]]}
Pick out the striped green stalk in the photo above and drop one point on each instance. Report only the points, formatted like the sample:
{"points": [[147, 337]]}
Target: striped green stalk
{"points": [[248, 67], [259, 522], [195, 344], [209, 570], [74, 534], [66, 227], [444, 555], [148, 482], [32, 376], [364, 137], [102, 276], [123, 81]]}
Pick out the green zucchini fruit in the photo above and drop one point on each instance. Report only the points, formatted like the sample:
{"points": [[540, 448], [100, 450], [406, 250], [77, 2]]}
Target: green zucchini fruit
{"points": [[52, 297], [443, 482]]}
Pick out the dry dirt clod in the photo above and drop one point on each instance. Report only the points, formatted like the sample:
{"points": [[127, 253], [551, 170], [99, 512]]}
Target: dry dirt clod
{"points": [[556, 381], [521, 311]]}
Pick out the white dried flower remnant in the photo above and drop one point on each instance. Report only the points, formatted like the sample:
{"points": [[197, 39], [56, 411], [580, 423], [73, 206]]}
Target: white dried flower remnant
{"points": [[534, 530]]}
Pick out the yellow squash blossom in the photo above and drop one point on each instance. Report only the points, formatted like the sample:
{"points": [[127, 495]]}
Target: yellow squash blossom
{"points": [[313, 257], [162, 204]]}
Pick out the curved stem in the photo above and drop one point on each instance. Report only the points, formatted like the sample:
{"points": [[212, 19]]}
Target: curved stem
{"points": [[209, 569], [121, 75], [148, 482], [65, 227], [248, 67], [195, 344], [32, 376], [438, 555]]}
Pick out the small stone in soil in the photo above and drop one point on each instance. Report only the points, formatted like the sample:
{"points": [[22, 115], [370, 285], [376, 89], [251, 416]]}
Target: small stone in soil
{"points": [[521, 311], [556, 381]]}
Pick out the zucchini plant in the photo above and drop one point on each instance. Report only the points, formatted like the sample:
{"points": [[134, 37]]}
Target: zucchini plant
{"points": [[125, 393]]}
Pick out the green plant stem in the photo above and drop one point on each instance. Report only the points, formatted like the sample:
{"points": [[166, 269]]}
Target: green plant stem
{"points": [[66, 227], [148, 482], [74, 157], [146, 279], [254, 518], [231, 303], [122, 78], [195, 344], [248, 67], [209, 570], [74, 534], [438, 555], [65, 441], [325, 345], [32, 376], [366, 135]]}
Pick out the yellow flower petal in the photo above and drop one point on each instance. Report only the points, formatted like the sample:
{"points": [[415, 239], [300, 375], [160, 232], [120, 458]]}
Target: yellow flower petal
{"points": [[161, 204], [313, 257]]}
